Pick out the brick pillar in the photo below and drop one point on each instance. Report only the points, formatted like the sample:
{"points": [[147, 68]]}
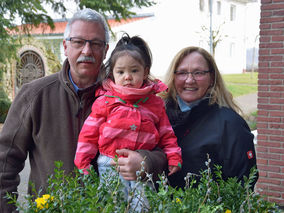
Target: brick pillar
{"points": [[270, 121]]}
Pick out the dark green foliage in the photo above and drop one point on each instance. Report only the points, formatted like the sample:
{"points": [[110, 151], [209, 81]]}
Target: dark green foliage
{"points": [[120, 9], [5, 102], [251, 120], [53, 48], [27, 13], [30, 13], [79, 193]]}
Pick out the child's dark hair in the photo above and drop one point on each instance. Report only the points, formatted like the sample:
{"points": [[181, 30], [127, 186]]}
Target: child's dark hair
{"points": [[135, 46]]}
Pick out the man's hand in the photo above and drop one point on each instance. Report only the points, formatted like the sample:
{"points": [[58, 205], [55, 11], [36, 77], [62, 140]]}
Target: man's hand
{"points": [[128, 163]]}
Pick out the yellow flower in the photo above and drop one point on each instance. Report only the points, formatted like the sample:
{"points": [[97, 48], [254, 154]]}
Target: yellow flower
{"points": [[42, 202], [228, 211], [178, 200], [46, 197]]}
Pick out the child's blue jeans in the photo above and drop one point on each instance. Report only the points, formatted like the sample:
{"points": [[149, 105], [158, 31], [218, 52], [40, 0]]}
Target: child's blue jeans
{"points": [[105, 168]]}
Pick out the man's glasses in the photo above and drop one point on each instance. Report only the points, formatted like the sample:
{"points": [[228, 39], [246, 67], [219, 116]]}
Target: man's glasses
{"points": [[79, 43], [196, 75]]}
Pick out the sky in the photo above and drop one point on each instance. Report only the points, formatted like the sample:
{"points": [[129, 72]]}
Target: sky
{"points": [[71, 8]]}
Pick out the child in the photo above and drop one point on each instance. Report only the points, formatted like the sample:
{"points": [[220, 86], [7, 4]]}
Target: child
{"points": [[128, 114]]}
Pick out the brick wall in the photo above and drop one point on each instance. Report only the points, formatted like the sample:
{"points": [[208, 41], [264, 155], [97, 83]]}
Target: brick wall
{"points": [[270, 122]]}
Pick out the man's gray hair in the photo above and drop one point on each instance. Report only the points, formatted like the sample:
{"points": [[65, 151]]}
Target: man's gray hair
{"points": [[90, 16]]}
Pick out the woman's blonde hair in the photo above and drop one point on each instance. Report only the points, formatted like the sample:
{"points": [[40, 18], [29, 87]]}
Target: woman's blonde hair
{"points": [[218, 93]]}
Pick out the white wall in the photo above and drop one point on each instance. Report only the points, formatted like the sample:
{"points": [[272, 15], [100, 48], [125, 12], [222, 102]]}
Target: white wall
{"points": [[177, 24]]}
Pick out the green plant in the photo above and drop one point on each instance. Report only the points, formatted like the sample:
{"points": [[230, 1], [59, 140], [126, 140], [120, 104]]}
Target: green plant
{"points": [[251, 120], [5, 104], [85, 193], [4, 108]]}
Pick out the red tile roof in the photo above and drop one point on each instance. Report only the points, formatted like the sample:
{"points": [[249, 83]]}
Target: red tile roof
{"points": [[59, 25]]}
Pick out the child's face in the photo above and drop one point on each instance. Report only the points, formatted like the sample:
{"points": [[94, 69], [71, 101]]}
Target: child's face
{"points": [[129, 72]]}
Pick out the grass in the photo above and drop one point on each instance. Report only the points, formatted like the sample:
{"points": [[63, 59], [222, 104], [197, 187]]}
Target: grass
{"points": [[238, 90], [244, 78], [241, 84]]}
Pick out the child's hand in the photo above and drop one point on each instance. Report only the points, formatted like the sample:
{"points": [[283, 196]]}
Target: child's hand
{"points": [[173, 169], [85, 171]]}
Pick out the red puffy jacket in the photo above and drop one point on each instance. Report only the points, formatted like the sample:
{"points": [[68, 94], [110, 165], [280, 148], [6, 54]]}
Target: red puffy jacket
{"points": [[127, 118]]}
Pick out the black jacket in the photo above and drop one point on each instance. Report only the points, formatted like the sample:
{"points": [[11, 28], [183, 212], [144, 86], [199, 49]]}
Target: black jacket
{"points": [[218, 131]]}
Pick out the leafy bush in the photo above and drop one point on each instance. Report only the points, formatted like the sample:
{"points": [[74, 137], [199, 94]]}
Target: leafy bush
{"points": [[251, 120], [5, 104], [78, 193]]}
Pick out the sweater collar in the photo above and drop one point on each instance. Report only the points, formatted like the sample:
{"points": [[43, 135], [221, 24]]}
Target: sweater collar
{"points": [[74, 85], [77, 89], [184, 106], [134, 93]]}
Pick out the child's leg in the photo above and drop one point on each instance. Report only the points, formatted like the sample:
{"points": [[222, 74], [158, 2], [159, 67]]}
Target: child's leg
{"points": [[138, 199], [104, 167]]}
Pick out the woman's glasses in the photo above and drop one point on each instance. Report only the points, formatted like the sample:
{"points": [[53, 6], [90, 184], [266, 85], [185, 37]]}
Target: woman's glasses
{"points": [[196, 75]]}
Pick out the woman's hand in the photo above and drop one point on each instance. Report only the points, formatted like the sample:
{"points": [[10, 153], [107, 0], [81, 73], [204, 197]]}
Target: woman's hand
{"points": [[128, 163]]}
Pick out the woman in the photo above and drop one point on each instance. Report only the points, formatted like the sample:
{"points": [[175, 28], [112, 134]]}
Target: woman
{"points": [[205, 118]]}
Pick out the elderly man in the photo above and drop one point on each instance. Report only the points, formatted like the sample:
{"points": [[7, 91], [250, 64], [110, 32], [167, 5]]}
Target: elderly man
{"points": [[46, 116]]}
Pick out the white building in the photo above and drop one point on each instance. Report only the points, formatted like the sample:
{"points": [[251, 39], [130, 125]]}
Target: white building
{"points": [[172, 25], [177, 24]]}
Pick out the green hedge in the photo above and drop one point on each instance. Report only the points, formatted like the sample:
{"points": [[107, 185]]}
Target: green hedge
{"points": [[85, 193], [5, 104]]}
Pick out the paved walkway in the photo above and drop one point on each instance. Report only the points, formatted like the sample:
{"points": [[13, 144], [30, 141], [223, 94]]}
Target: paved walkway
{"points": [[248, 103]]}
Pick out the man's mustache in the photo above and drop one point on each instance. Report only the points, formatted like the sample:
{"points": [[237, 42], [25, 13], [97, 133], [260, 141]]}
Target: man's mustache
{"points": [[86, 59]]}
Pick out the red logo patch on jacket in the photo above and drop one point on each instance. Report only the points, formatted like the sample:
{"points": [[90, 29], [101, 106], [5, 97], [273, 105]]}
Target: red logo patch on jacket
{"points": [[250, 154]]}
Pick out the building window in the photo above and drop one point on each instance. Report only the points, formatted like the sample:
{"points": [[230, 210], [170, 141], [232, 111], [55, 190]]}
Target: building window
{"points": [[201, 5], [218, 8], [233, 12], [29, 67]]}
